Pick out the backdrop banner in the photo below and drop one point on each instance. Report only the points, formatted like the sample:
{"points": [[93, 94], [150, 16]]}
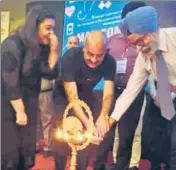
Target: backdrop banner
{"points": [[84, 16]]}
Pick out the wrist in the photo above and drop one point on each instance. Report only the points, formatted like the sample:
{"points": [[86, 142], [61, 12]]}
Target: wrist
{"points": [[111, 122], [53, 51], [103, 114], [20, 113]]}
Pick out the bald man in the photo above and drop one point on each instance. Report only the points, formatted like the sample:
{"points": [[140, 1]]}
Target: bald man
{"points": [[82, 69]]}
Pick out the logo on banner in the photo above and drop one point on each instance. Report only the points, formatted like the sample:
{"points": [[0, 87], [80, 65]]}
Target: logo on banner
{"points": [[103, 5], [70, 28], [69, 11], [87, 8]]}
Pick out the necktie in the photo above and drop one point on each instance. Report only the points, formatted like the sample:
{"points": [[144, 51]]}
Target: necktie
{"points": [[163, 88]]}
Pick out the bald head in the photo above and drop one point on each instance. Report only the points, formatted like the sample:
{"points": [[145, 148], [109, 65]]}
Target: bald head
{"points": [[94, 48], [96, 39]]}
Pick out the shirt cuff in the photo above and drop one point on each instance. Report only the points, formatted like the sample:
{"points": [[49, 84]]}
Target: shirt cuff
{"points": [[173, 95]]}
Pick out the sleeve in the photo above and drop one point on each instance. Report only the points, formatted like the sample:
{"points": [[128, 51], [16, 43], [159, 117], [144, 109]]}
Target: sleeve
{"points": [[11, 65], [47, 72], [68, 66], [134, 86], [110, 70]]}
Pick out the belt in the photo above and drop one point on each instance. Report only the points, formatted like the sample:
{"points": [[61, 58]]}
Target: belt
{"points": [[46, 90]]}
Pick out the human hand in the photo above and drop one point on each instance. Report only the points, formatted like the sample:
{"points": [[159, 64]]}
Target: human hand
{"points": [[21, 118], [53, 43], [173, 88], [90, 126], [102, 126], [96, 140]]}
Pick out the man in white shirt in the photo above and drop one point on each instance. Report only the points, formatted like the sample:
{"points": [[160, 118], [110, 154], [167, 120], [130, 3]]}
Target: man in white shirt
{"points": [[141, 29]]}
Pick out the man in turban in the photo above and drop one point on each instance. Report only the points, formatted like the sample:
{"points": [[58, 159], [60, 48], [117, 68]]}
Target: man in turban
{"points": [[157, 51]]}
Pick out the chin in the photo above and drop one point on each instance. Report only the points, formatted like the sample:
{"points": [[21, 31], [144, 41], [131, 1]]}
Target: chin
{"points": [[93, 65], [45, 42]]}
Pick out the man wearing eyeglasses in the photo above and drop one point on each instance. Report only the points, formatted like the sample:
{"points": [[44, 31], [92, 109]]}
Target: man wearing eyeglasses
{"points": [[82, 69], [157, 51]]}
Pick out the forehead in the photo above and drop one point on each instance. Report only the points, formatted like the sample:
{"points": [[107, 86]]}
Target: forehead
{"points": [[48, 22], [71, 39], [95, 48], [134, 37]]}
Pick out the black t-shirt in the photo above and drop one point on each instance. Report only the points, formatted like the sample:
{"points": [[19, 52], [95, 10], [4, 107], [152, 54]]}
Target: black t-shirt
{"points": [[75, 69]]}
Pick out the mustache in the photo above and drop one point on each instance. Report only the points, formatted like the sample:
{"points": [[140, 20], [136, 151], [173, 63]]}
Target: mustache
{"points": [[146, 49]]}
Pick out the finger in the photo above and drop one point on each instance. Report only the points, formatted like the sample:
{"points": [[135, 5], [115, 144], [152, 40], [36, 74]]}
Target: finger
{"points": [[95, 132], [102, 130], [105, 129], [54, 39]]}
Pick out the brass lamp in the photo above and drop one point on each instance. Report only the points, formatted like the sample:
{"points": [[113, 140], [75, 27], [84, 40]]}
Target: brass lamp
{"points": [[73, 133]]}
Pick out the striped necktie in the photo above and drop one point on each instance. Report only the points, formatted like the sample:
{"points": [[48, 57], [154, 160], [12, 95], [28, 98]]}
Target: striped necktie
{"points": [[163, 88]]}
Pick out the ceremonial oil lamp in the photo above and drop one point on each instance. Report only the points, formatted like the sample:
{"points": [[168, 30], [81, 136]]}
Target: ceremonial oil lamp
{"points": [[73, 133]]}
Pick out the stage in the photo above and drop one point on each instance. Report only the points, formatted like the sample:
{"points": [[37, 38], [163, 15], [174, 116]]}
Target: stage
{"points": [[48, 163]]}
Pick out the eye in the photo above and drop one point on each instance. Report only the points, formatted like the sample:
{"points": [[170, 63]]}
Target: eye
{"points": [[89, 53], [139, 43]]}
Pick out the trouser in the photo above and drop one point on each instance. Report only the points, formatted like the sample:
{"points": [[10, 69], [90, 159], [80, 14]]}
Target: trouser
{"points": [[126, 130], [61, 149], [172, 161], [18, 142], [46, 112], [102, 150], [136, 147], [155, 134]]}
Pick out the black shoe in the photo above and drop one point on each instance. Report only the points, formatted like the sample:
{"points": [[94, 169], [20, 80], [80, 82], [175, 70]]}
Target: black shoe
{"points": [[134, 168]]}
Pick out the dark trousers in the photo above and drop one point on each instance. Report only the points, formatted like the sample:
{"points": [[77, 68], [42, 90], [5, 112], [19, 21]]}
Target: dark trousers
{"points": [[18, 142], [155, 135], [103, 149], [126, 129], [61, 150], [172, 161]]}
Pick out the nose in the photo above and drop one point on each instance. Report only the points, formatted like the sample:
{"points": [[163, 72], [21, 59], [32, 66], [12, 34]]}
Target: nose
{"points": [[93, 59], [138, 47], [51, 31]]}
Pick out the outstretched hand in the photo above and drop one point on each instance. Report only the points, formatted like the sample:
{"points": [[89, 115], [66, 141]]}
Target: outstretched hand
{"points": [[102, 126]]}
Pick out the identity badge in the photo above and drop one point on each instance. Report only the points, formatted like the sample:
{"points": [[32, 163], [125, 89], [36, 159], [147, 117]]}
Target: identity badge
{"points": [[121, 66]]}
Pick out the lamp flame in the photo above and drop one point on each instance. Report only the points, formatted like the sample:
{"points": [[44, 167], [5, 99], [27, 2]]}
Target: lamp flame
{"points": [[88, 135], [79, 136], [59, 133], [66, 136]]}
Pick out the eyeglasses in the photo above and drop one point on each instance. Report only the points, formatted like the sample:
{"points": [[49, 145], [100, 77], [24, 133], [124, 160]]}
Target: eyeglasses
{"points": [[139, 41]]}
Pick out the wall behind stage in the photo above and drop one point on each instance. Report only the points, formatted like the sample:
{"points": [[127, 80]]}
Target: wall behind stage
{"points": [[81, 17], [84, 16]]}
